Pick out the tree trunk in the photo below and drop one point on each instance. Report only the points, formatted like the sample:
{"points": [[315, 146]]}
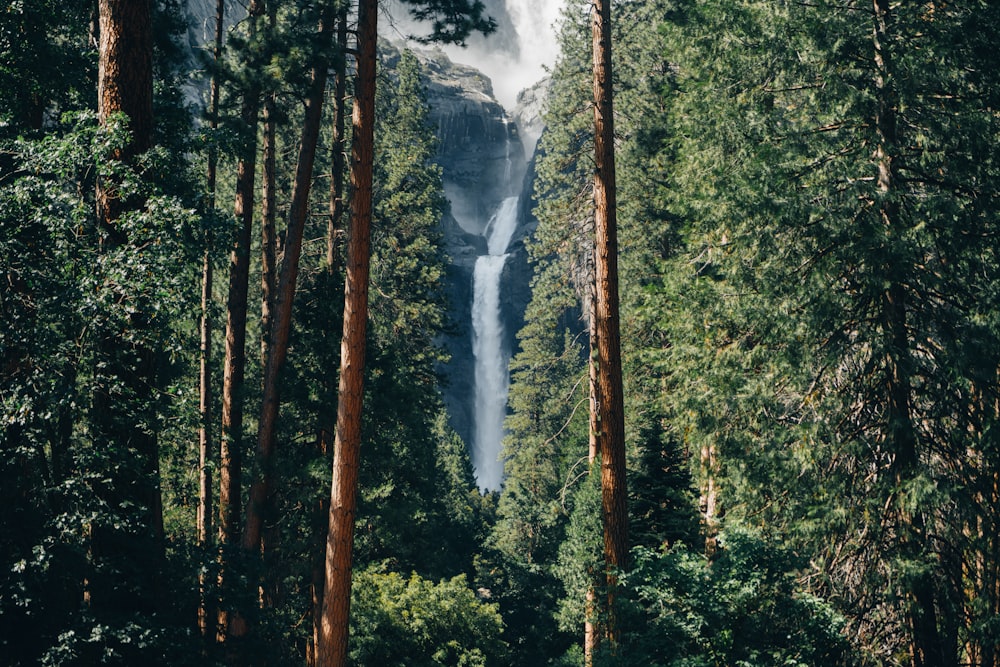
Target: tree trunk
{"points": [[926, 645], [611, 423], [337, 146], [204, 371], [346, 454], [271, 590], [261, 488], [126, 425], [591, 628], [124, 85], [204, 520], [234, 366], [327, 417], [268, 230]]}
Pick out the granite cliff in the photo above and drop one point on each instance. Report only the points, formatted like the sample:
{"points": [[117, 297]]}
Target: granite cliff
{"points": [[484, 161]]}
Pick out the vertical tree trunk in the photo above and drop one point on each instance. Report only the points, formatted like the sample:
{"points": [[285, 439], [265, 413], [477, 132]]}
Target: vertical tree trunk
{"points": [[271, 589], [591, 635], [204, 520], [926, 646], [346, 454], [234, 365], [611, 418], [328, 415], [337, 146], [204, 371], [261, 488], [124, 85], [123, 413], [268, 236], [268, 231], [260, 500]]}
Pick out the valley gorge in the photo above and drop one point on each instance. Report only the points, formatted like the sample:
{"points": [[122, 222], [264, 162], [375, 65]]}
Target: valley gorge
{"points": [[486, 175]]}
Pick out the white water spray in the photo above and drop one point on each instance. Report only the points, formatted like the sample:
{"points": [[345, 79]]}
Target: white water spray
{"points": [[492, 379], [535, 47]]}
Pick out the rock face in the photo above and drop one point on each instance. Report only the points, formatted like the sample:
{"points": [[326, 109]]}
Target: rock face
{"points": [[483, 161], [200, 16], [480, 149], [528, 113]]}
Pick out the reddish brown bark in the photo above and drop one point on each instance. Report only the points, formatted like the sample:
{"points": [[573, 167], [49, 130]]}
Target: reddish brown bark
{"points": [[611, 418], [272, 588], [204, 371], [328, 415], [204, 518], [123, 416], [346, 455], [591, 636], [124, 86], [234, 365]]}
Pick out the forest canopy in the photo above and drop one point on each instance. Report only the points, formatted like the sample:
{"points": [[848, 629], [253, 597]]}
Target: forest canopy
{"points": [[809, 285]]}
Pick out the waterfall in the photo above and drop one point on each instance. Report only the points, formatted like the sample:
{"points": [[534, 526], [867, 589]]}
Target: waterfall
{"points": [[535, 25], [489, 349]]}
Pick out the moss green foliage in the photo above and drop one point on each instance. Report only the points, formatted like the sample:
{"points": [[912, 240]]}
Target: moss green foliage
{"points": [[48, 65], [743, 608], [397, 620], [66, 292], [60, 476], [765, 350], [810, 298]]}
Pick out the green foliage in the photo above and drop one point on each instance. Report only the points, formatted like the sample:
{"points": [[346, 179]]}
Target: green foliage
{"points": [[47, 65], [545, 450], [580, 564], [71, 293], [402, 515], [795, 262], [759, 272], [452, 21], [852, 442], [414, 621], [743, 608]]}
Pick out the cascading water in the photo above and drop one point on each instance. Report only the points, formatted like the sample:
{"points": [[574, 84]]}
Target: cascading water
{"points": [[514, 58], [489, 349]]}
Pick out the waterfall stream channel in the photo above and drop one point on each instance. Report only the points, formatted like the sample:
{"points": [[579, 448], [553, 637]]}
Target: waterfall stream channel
{"points": [[489, 349]]}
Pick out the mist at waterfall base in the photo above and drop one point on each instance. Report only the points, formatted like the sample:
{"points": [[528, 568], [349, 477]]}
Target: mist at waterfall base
{"points": [[492, 379], [514, 57]]}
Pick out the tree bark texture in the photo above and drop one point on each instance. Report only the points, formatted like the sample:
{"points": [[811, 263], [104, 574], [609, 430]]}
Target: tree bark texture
{"points": [[124, 85], [204, 519], [337, 161], [205, 375], [591, 627], [328, 417], [611, 422], [346, 455], [126, 387], [268, 228], [234, 364]]}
